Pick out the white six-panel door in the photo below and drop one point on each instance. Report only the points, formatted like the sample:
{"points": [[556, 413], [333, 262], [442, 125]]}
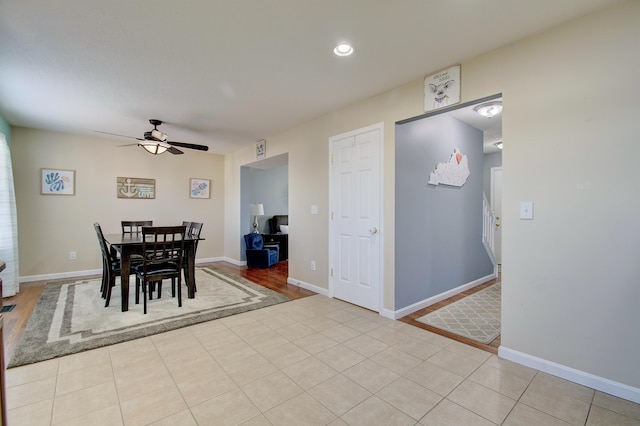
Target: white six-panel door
{"points": [[355, 217]]}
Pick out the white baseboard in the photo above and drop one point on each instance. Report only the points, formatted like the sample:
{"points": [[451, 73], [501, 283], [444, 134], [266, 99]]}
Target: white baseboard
{"points": [[580, 377], [89, 272], [220, 259], [437, 298], [60, 275], [388, 313], [311, 287]]}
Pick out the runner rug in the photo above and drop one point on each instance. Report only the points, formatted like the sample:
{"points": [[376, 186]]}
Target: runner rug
{"points": [[476, 316], [70, 317]]}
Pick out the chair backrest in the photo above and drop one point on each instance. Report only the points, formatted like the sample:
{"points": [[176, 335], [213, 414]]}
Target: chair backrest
{"points": [[106, 254], [253, 241], [162, 244], [194, 229], [276, 221], [134, 227]]}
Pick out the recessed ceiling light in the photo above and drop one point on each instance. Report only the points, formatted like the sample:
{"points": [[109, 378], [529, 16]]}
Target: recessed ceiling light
{"points": [[343, 49], [489, 109]]}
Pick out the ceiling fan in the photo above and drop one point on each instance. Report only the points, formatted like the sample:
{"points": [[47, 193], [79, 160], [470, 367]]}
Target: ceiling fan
{"points": [[155, 142]]}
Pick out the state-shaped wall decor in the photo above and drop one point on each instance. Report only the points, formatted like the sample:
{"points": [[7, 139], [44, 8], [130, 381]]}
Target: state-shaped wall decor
{"points": [[454, 172]]}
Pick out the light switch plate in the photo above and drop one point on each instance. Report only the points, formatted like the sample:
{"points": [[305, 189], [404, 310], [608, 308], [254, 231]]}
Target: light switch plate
{"points": [[526, 210], [314, 209]]}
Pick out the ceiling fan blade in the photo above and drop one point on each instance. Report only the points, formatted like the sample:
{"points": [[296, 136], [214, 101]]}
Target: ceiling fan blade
{"points": [[189, 145], [129, 144], [175, 151], [122, 136]]}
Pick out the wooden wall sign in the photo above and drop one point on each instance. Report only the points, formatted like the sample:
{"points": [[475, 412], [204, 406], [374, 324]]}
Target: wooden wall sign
{"points": [[136, 188]]}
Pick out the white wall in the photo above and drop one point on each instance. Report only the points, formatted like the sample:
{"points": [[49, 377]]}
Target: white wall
{"points": [[572, 102], [571, 127], [50, 226]]}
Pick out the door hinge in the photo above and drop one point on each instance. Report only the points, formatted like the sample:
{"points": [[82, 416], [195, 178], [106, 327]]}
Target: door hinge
{"points": [[332, 272], [331, 215]]}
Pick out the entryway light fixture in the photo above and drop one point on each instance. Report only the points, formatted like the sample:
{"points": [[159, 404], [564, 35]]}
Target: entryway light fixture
{"points": [[343, 49], [155, 148], [489, 109]]}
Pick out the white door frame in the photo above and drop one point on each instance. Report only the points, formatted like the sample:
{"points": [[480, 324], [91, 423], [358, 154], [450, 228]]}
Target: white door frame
{"points": [[332, 208]]}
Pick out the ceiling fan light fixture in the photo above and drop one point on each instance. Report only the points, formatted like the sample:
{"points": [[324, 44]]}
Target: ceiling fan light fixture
{"points": [[155, 148], [343, 49], [489, 109]]}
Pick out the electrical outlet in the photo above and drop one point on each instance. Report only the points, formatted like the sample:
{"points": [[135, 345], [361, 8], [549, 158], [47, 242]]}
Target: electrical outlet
{"points": [[313, 265], [73, 255]]}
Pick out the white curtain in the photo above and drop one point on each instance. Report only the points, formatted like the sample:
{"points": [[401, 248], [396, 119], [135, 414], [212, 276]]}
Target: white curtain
{"points": [[8, 222]]}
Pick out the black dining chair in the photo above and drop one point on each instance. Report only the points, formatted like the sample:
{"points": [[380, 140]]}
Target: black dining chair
{"points": [[110, 266], [134, 227], [163, 254]]}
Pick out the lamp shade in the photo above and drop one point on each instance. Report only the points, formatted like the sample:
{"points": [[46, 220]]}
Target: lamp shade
{"points": [[256, 209]]}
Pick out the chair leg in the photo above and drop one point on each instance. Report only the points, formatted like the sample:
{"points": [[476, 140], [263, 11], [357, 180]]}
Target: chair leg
{"points": [[173, 287], [111, 281], [138, 290], [179, 292], [144, 296], [159, 285], [103, 286]]}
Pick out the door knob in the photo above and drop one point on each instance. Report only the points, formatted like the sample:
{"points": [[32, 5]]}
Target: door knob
{"points": [[373, 230]]}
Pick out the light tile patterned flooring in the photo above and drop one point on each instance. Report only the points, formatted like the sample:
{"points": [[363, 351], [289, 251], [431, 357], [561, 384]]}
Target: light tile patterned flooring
{"points": [[313, 361]]}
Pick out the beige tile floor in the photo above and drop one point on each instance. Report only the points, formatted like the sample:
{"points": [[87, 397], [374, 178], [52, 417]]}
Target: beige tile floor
{"points": [[313, 361]]}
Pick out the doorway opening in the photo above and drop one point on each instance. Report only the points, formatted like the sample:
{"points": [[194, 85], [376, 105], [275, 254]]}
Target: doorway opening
{"points": [[264, 182]]}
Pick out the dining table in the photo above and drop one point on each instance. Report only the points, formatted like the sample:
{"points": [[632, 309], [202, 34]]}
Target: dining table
{"points": [[128, 245]]}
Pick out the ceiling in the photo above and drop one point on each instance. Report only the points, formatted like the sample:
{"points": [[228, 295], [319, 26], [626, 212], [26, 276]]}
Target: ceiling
{"points": [[228, 73], [491, 127]]}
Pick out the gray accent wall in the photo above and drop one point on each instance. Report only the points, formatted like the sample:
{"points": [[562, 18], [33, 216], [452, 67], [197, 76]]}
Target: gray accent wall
{"points": [[438, 244]]}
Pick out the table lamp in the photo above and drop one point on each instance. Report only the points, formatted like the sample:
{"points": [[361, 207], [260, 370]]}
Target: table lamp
{"points": [[256, 210]]}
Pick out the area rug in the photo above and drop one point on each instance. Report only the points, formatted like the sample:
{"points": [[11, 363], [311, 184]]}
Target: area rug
{"points": [[476, 316], [70, 317]]}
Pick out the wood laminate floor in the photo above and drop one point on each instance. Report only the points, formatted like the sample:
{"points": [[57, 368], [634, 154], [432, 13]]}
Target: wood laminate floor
{"points": [[411, 319]]}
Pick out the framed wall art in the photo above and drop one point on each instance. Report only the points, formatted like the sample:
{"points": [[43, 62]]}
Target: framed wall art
{"points": [[442, 89], [261, 149], [136, 188], [57, 182], [199, 188]]}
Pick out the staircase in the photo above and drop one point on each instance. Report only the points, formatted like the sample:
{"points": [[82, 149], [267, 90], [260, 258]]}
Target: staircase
{"points": [[488, 231]]}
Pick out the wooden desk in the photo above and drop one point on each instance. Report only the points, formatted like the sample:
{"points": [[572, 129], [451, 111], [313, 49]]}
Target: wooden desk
{"points": [[283, 242], [127, 245]]}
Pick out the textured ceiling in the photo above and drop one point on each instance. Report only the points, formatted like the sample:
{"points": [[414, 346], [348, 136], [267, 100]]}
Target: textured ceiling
{"points": [[228, 73]]}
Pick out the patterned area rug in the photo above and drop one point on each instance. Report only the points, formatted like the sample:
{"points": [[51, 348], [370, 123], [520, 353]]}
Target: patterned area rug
{"points": [[476, 316], [70, 317]]}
